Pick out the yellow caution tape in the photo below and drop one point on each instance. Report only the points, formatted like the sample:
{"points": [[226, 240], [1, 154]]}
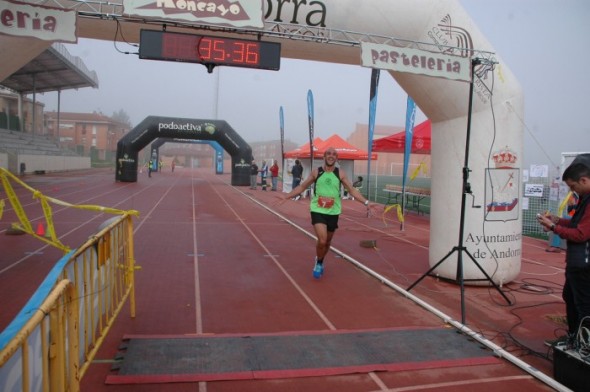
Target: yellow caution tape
{"points": [[563, 204], [415, 172], [15, 202], [25, 223], [400, 215], [421, 166]]}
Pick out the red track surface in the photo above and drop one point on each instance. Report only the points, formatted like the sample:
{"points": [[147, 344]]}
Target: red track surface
{"points": [[215, 260]]}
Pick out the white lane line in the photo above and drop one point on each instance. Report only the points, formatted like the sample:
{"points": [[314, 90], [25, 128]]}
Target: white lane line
{"points": [[274, 259], [198, 306], [382, 386]]}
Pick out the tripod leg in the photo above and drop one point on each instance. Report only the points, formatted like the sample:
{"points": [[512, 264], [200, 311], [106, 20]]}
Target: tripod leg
{"points": [[432, 269], [488, 277]]}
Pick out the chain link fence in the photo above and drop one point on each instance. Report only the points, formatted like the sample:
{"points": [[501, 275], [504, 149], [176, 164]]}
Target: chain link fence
{"points": [[543, 191], [538, 198]]}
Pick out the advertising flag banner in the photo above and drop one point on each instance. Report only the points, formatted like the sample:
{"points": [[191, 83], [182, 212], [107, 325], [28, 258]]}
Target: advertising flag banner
{"points": [[282, 124], [372, 113], [410, 116], [373, 105]]}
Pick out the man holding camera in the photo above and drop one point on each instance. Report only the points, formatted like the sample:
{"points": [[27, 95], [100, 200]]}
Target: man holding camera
{"points": [[576, 231]]}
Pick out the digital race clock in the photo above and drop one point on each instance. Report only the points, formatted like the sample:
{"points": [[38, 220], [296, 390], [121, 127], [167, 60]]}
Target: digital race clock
{"points": [[209, 50]]}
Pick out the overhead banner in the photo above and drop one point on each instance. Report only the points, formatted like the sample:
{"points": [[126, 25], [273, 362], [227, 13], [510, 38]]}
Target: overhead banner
{"points": [[37, 21], [234, 13], [415, 61]]}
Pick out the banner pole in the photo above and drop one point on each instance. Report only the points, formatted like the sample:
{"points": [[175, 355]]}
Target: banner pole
{"points": [[282, 125], [310, 120], [372, 114], [410, 116]]}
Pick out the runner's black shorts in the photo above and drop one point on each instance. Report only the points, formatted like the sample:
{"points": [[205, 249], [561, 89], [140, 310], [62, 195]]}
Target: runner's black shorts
{"points": [[331, 221]]}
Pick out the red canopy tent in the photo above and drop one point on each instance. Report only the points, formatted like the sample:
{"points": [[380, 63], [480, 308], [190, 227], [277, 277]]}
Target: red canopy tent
{"points": [[421, 140], [347, 154], [303, 151], [346, 151]]}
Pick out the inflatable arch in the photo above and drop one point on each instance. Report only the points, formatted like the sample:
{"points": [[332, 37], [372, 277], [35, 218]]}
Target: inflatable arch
{"points": [[330, 31], [181, 128], [155, 149]]}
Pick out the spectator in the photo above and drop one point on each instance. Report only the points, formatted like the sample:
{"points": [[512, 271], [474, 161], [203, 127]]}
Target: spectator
{"points": [[253, 174], [576, 231], [297, 173], [263, 175], [274, 175]]}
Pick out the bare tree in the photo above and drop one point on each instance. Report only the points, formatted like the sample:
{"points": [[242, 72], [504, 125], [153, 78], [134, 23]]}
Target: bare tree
{"points": [[122, 117]]}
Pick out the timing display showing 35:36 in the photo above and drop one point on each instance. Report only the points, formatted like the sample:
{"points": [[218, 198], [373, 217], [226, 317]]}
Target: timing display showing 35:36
{"points": [[209, 50]]}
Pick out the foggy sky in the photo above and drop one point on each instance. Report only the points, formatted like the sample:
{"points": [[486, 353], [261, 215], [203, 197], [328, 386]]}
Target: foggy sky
{"points": [[544, 43]]}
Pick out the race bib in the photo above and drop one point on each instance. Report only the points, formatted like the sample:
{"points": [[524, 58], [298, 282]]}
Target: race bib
{"points": [[325, 202]]}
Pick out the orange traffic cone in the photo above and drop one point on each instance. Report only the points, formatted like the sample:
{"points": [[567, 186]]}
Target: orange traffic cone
{"points": [[40, 230]]}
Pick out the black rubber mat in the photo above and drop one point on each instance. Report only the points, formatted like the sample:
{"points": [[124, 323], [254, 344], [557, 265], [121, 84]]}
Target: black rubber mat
{"points": [[232, 357]]}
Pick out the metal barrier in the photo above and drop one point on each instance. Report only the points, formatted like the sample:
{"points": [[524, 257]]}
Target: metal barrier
{"points": [[52, 341]]}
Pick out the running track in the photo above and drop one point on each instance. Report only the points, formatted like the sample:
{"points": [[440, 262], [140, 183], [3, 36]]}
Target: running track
{"points": [[219, 259]]}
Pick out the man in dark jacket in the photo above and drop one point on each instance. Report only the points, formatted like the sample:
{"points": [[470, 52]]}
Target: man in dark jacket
{"points": [[297, 172], [253, 174], [576, 231]]}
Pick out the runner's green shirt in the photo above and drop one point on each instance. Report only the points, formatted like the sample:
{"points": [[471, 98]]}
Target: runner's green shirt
{"points": [[326, 198]]}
